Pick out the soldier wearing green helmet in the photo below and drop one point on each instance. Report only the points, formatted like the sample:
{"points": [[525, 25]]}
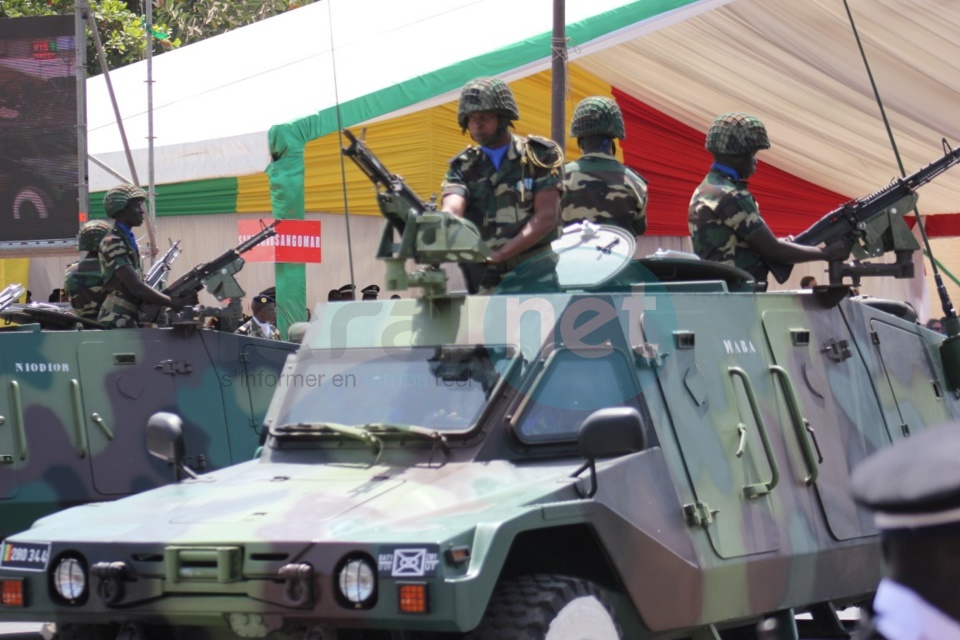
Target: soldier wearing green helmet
{"points": [[509, 186], [83, 280], [124, 287], [598, 187], [724, 219]]}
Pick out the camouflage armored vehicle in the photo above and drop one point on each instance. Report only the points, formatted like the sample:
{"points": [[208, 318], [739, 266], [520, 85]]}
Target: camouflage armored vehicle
{"points": [[75, 400], [664, 454]]}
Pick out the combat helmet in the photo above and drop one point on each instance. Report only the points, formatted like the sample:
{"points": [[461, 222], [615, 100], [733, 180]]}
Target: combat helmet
{"points": [[597, 116], [117, 198], [91, 233], [734, 134], [486, 94]]}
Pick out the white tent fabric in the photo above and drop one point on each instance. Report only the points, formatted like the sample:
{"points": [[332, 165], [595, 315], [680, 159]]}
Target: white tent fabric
{"points": [[215, 100]]}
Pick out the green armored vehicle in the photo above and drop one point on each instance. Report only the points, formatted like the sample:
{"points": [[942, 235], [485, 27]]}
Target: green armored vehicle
{"points": [[664, 454], [75, 400]]}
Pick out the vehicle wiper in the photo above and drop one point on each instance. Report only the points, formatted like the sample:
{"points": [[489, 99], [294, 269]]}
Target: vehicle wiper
{"points": [[357, 433], [431, 434]]}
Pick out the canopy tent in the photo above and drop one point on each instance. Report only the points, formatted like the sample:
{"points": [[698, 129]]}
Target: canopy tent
{"points": [[678, 62]]}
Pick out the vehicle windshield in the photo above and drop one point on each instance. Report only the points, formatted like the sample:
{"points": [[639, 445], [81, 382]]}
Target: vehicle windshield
{"points": [[440, 388]]}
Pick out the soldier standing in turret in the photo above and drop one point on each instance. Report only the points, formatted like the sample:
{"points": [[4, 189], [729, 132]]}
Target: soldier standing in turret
{"points": [[509, 186], [120, 263], [83, 280], [724, 219], [597, 187]]}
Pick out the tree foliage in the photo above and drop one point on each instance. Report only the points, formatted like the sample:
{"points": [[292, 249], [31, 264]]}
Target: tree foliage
{"points": [[122, 27]]}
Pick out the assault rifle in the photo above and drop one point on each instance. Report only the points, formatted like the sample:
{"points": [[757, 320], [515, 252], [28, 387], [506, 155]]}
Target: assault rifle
{"points": [[874, 225], [10, 294], [216, 276], [427, 236], [157, 276]]}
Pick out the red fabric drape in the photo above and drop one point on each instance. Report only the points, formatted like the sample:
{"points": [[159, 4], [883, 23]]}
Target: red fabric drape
{"points": [[942, 225], [670, 155]]}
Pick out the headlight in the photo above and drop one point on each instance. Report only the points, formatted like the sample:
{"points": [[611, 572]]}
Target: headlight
{"points": [[69, 579], [357, 581]]}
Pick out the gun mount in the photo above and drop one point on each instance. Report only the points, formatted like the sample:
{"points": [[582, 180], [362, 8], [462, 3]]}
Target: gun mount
{"points": [[874, 226], [427, 236]]}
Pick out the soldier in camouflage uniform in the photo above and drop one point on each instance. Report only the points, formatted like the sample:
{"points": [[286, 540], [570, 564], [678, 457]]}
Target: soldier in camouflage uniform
{"points": [[724, 219], [83, 280], [509, 186], [120, 262], [597, 187], [262, 324]]}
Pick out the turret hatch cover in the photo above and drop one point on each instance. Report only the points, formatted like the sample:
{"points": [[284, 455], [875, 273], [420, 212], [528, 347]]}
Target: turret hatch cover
{"points": [[590, 254]]}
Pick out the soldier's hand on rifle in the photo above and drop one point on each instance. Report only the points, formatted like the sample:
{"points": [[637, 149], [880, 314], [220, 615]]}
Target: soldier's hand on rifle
{"points": [[838, 250], [179, 302]]}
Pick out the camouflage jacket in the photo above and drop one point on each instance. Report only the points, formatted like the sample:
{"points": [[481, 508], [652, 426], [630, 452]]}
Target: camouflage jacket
{"points": [[121, 309], [600, 189], [722, 215], [500, 201], [83, 282], [253, 328]]}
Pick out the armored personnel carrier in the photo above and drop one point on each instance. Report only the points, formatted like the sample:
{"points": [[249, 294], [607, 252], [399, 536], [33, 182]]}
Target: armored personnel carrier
{"points": [[75, 400], [661, 454]]}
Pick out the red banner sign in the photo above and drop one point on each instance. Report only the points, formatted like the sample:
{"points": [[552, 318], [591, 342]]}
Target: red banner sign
{"points": [[296, 241]]}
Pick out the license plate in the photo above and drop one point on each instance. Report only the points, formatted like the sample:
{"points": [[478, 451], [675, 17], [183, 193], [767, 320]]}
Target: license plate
{"points": [[25, 556]]}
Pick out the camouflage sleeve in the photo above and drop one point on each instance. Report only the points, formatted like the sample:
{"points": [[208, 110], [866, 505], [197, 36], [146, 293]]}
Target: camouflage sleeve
{"points": [[739, 211], [547, 161], [639, 186], [113, 255], [453, 180]]}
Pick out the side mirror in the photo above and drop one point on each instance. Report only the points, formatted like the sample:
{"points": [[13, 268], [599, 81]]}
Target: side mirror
{"points": [[165, 440], [608, 433]]}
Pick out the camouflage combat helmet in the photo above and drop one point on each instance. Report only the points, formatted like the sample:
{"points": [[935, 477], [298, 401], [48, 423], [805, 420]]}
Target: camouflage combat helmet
{"points": [[597, 116], [486, 94], [117, 198], [91, 233], [733, 134]]}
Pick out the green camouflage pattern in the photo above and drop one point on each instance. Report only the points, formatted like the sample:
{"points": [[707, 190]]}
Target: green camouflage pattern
{"points": [[736, 134], [91, 233], [83, 281], [116, 199], [722, 215], [253, 328], [597, 116], [75, 403], [500, 201], [598, 188], [436, 440], [486, 95], [120, 309]]}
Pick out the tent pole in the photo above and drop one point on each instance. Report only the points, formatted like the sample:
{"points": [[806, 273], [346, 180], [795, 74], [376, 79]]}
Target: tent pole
{"points": [[558, 115], [151, 180], [83, 185]]}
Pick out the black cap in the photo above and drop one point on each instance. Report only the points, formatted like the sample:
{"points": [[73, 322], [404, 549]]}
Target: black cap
{"points": [[267, 296], [914, 484], [347, 292], [370, 292], [333, 295]]}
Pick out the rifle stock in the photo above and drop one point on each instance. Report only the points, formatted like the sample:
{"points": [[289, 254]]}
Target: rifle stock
{"points": [[874, 224]]}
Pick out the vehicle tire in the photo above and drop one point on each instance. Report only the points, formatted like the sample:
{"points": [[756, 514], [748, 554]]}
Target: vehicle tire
{"points": [[547, 607], [85, 632], [31, 203]]}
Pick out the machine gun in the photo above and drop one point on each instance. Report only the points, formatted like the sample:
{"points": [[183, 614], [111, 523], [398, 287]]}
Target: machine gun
{"points": [[156, 278], [10, 294], [427, 236], [216, 276], [874, 225]]}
